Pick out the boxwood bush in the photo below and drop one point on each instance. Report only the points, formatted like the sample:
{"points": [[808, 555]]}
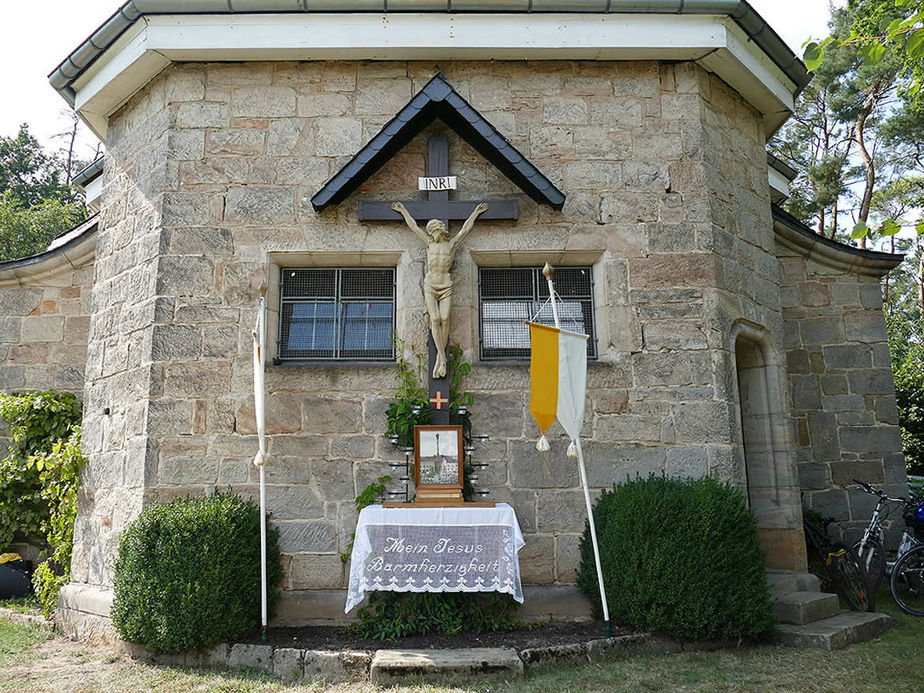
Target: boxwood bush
{"points": [[680, 558], [188, 573]]}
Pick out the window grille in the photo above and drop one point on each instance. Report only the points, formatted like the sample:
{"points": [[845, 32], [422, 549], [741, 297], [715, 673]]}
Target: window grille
{"points": [[509, 296], [344, 314]]}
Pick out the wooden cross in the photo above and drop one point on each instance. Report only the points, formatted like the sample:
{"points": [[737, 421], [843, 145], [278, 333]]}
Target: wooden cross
{"points": [[439, 400], [438, 206]]}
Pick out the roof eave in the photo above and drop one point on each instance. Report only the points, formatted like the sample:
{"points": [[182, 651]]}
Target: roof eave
{"points": [[796, 236], [131, 70]]}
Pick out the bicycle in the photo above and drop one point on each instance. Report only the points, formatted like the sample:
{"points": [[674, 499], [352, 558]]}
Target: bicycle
{"points": [[871, 547], [837, 566], [907, 581]]}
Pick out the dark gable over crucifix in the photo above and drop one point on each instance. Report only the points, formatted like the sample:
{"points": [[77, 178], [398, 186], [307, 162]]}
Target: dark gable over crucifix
{"points": [[438, 100]]}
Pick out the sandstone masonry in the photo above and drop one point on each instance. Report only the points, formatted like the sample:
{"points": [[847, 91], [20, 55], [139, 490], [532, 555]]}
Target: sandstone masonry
{"points": [[722, 349]]}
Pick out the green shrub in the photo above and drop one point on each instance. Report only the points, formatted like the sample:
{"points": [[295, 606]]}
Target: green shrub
{"points": [[680, 558], [188, 573], [393, 615]]}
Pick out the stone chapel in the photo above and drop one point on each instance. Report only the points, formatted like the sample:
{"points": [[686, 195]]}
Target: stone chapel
{"points": [[244, 139]]}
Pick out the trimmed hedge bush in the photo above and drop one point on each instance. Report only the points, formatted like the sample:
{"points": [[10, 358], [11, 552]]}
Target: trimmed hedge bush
{"points": [[679, 558], [188, 573]]}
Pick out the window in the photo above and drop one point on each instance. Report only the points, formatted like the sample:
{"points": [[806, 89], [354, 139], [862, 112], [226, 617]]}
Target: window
{"points": [[337, 314], [511, 295]]}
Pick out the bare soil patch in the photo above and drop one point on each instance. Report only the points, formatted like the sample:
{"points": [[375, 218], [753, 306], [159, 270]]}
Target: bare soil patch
{"points": [[531, 636]]}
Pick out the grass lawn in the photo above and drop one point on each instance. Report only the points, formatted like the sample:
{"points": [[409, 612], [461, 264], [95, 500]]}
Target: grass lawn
{"points": [[890, 663], [16, 640]]}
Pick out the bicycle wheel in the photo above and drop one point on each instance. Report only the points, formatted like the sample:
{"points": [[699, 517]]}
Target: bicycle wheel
{"points": [[872, 560], [908, 582], [849, 578]]}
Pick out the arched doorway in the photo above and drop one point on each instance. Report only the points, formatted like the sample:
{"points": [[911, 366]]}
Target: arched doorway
{"points": [[770, 477]]}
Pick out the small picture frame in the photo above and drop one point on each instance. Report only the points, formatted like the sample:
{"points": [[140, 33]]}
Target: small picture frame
{"points": [[438, 460]]}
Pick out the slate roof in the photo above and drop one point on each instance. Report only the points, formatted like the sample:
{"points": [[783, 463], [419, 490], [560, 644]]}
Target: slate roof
{"points": [[438, 100]]}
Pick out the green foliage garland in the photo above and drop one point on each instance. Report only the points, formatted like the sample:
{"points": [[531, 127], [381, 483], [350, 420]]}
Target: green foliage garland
{"points": [[188, 573], [680, 558], [410, 407]]}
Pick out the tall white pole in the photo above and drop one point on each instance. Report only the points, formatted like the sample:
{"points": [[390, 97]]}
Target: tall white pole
{"points": [[593, 539], [263, 554], [259, 405], [547, 271]]}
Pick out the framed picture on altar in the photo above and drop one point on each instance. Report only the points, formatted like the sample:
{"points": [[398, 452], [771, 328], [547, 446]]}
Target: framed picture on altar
{"points": [[438, 459]]}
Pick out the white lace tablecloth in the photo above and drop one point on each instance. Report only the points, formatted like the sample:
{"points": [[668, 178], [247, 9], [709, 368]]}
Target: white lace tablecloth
{"points": [[435, 550]]}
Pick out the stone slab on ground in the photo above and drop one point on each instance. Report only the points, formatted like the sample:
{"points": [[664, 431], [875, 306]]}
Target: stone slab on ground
{"points": [[477, 664], [34, 620], [334, 666], [801, 607], [836, 632]]}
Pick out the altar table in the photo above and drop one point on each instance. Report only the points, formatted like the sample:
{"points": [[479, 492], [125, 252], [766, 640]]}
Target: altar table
{"points": [[433, 549]]}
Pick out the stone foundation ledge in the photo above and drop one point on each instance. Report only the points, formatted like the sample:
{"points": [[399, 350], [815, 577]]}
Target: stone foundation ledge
{"points": [[388, 667], [83, 613], [83, 610], [22, 619]]}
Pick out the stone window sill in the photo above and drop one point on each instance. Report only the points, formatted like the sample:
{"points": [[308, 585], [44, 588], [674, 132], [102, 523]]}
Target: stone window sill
{"points": [[330, 364]]}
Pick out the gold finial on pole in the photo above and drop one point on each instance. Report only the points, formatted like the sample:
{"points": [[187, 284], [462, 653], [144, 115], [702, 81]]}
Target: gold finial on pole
{"points": [[547, 271], [263, 289]]}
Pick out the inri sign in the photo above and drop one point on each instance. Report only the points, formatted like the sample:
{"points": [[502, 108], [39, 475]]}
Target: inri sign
{"points": [[437, 183]]}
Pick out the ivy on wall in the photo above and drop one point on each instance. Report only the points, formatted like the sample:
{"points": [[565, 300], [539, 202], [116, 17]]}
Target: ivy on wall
{"points": [[38, 482]]}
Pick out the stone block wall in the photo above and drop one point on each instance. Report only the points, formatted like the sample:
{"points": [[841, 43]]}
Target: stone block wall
{"points": [[208, 180], [845, 416], [44, 321], [122, 333], [745, 321]]}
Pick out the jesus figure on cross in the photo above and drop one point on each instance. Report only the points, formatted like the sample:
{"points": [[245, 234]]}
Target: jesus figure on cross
{"points": [[437, 280]]}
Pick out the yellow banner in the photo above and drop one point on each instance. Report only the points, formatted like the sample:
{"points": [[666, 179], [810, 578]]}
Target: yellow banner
{"points": [[543, 374]]}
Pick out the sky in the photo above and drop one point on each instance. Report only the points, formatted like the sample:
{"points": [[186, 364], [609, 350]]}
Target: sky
{"points": [[36, 36]]}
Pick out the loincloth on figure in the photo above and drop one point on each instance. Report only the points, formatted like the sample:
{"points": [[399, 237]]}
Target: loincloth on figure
{"points": [[440, 290]]}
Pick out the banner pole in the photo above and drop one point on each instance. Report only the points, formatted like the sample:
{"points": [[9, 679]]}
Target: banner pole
{"points": [[263, 553], [259, 395], [547, 272], [593, 538]]}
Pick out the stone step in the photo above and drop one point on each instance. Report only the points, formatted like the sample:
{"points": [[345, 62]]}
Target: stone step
{"points": [[390, 667], [803, 607], [836, 632], [783, 583]]}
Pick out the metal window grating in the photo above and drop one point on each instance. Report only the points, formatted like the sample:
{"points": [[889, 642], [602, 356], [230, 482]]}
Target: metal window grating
{"points": [[337, 313], [509, 296]]}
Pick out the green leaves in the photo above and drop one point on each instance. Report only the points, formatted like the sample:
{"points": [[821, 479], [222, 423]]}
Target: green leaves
{"points": [[872, 52], [390, 615], [889, 227], [38, 481], [812, 56], [860, 230], [914, 44]]}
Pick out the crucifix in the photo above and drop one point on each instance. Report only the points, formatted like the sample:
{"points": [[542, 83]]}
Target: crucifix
{"points": [[439, 210]]}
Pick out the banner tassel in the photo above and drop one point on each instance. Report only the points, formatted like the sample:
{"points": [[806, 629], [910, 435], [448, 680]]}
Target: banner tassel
{"points": [[542, 445]]}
